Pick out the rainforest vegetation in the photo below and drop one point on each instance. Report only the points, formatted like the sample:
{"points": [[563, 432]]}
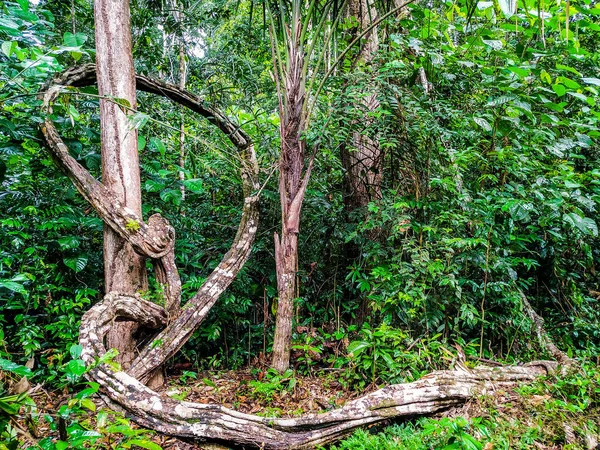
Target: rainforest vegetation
{"points": [[344, 224]]}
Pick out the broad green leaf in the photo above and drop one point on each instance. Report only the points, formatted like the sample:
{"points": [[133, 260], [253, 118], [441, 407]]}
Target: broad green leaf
{"points": [[584, 224], [194, 185], [75, 367], [75, 351], [357, 347], [545, 77], [559, 89], [144, 443], [24, 4], [483, 123], [13, 286], [579, 96], [568, 69], [9, 366], [76, 263], [76, 40], [171, 196], [570, 84], [10, 408], [8, 47], [68, 242], [500, 100], [138, 120], [153, 186], [88, 404], [493, 43], [594, 81], [158, 145]]}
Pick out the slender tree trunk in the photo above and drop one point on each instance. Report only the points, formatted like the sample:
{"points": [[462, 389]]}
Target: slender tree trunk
{"points": [[286, 261], [293, 180], [125, 270], [182, 81]]}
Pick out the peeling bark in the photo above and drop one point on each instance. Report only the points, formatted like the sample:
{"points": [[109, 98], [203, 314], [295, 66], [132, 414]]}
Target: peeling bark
{"points": [[293, 180], [434, 392], [286, 262]]}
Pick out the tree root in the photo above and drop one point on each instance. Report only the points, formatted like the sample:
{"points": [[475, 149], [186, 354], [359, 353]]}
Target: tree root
{"points": [[434, 392]]}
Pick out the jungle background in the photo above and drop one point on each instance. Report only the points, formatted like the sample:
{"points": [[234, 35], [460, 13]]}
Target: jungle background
{"points": [[487, 188]]}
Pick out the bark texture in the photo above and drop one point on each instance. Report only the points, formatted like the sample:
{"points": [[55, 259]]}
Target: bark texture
{"points": [[124, 269], [293, 180], [435, 392]]}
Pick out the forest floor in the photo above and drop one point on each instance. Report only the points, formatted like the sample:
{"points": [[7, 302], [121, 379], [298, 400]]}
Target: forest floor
{"points": [[557, 413], [260, 392]]}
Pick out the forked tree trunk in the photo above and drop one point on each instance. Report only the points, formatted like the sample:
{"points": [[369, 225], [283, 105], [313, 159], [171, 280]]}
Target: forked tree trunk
{"points": [[124, 269]]}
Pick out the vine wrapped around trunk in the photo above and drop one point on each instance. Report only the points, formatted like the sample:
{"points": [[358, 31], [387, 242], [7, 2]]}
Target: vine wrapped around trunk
{"points": [[155, 239], [435, 392]]}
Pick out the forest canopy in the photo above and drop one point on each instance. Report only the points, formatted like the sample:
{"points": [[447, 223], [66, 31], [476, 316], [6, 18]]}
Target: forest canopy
{"points": [[272, 223]]}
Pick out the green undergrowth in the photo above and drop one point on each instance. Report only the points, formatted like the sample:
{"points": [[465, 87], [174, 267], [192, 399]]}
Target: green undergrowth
{"points": [[558, 411]]}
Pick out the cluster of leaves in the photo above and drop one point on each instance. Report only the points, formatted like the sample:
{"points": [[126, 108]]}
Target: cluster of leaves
{"points": [[49, 243], [502, 190], [77, 423]]}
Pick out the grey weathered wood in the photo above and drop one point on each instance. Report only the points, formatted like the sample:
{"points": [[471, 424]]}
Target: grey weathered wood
{"points": [[434, 392], [156, 238]]}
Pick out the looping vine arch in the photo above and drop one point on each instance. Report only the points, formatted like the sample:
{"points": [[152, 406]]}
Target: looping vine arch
{"points": [[155, 239]]}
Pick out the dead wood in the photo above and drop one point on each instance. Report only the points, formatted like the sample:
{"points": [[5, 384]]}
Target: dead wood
{"points": [[435, 392]]}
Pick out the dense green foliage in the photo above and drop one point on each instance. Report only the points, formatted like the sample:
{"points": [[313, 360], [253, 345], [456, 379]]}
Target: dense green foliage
{"points": [[491, 189]]}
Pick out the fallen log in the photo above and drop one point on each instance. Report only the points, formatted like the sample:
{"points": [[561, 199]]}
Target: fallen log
{"points": [[210, 422]]}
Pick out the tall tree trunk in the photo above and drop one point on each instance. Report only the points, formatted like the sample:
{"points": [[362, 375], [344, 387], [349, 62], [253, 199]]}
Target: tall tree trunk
{"points": [[293, 179], [124, 269], [182, 80], [286, 262], [362, 160]]}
